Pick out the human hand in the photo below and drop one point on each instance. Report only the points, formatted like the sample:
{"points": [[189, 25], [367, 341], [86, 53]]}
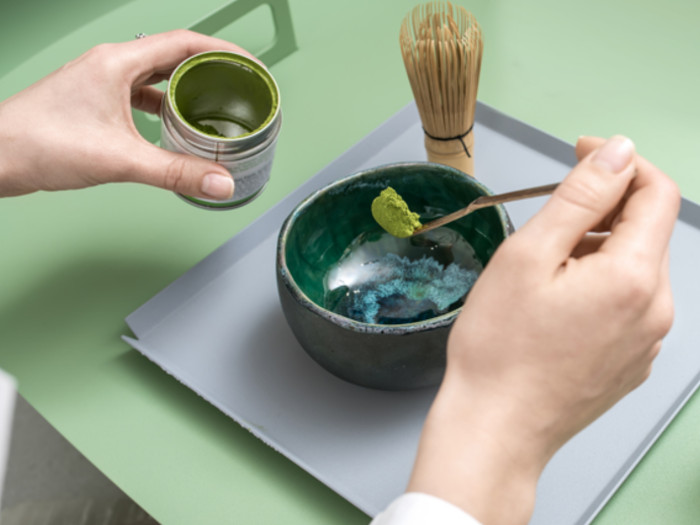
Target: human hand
{"points": [[74, 128], [559, 327]]}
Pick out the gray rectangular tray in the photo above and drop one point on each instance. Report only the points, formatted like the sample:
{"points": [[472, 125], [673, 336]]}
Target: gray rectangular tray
{"points": [[220, 330]]}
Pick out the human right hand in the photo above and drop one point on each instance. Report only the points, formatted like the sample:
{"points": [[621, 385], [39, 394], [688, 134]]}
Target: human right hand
{"points": [[561, 325]]}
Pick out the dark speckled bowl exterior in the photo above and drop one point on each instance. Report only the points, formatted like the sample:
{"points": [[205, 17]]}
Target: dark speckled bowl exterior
{"points": [[313, 237]]}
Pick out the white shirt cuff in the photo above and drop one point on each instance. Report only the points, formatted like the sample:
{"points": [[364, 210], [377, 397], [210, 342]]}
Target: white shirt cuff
{"points": [[414, 508]]}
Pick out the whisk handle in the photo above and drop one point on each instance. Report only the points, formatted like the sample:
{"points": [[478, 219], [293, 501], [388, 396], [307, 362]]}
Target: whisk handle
{"points": [[451, 153]]}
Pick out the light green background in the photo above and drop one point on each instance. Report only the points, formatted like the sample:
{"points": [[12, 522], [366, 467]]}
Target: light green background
{"points": [[74, 264]]}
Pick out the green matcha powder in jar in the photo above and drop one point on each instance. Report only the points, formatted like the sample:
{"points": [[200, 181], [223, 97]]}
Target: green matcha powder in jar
{"points": [[225, 107]]}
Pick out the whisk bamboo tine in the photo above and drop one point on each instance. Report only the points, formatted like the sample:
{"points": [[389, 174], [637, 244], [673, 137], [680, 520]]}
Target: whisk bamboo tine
{"points": [[441, 45]]}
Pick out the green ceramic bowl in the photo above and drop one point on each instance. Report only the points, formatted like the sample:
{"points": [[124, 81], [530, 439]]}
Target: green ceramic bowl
{"points": [[370, 308]]}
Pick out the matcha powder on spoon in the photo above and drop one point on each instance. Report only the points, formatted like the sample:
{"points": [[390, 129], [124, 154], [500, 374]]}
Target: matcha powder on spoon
{"points": [[393, 214]]}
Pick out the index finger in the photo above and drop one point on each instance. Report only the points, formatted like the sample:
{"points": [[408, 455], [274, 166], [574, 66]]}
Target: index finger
{"points": [[588, 194], [161, 53], [647, 219]]}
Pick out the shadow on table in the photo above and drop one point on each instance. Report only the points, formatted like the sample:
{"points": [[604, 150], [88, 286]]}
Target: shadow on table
{"points": [[30, 27], [75, 309]]}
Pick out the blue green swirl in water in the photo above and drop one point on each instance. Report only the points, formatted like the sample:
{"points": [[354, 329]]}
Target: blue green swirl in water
{"points": [[403, 290]]}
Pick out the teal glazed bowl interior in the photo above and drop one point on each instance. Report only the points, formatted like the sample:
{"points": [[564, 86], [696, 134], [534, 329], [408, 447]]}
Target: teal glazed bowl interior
{"points": [[373, 309]]}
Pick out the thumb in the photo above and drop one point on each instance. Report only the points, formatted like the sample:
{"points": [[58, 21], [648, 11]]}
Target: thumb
{"points": [[586, 196], [182, 173]]}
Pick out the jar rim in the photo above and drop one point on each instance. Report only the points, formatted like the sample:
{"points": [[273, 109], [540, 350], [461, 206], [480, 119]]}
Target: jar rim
{"points": [[234, 59]]}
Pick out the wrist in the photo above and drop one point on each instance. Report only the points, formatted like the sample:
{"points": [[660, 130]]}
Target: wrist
{"points": [[8, 177], [16, 177], [474, 454]]}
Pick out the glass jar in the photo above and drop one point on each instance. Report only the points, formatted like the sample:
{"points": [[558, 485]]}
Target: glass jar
{"points": [[225, 107]]}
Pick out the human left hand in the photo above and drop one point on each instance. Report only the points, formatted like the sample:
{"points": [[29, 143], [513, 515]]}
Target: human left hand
{"points": [[74, 128]]}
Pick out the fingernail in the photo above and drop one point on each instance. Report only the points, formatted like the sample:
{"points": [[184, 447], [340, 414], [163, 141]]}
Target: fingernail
{"points": [[615, 155], [217, 186]]}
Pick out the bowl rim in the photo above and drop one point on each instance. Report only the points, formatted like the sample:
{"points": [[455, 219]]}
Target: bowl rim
{"points": [[346, 322]]}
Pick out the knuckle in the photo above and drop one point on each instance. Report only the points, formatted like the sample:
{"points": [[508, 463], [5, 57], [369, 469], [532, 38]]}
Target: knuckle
{"points": [[663, 324], [101, 52], [517, 249], [662, 317], [654, 352], [639, 292], [174, 176], [582, 193], [665, 321], [510, 247], [638, 283], [183, 33], [671, 191], [103, 57]]}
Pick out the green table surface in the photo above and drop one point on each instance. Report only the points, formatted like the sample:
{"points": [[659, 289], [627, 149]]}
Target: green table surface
{"points": [[74, 264]]}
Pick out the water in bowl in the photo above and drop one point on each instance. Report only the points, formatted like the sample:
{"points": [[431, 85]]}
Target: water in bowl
{"points": [[381, 279]]}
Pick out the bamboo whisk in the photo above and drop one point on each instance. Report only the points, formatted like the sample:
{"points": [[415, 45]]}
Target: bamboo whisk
{"points": [[442, 46]]}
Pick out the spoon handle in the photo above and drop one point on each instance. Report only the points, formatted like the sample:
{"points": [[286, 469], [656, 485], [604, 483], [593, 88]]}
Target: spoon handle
{"points": [[488, 200], [492, 200]]}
